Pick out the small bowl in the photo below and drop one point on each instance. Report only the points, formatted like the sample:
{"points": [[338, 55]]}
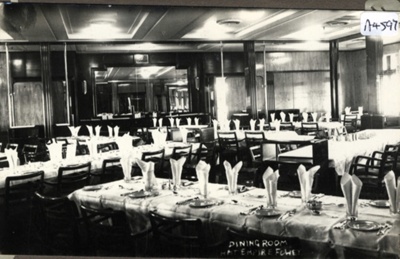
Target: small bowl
{"points": [[314, 205]]}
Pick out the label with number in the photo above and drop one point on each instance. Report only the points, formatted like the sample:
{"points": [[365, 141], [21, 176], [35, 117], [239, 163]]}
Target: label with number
{"points": [[379, 23]]}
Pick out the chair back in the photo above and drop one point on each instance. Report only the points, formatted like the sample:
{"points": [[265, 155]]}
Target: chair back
{"points": [[110, 171], [156, 157], [207, 135], [228, 140], [286, 126], [72, 177], [254, 138], [206, 153], [350, 122], [309, 128], [106, 147], [182, 151], [82, 147], [19, 189], [14, 146], [29, 151]]}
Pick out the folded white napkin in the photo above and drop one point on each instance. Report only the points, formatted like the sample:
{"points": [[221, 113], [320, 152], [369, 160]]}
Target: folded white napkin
{"points": [[196, 121], [360, 110], [71, 151], [276, 124], [305, 116], [154, 122], [328, 116], [149, 179], [202, 172], [92, 146], [393, 191], [176, 169], [215, 126], [171, 122], [262, 122], [55, 151], [90, 129], [252, 125], [351, 188], [232, 175], [272, 116], [178, 122], [306, 179], [12, 157], [237, 124], [314, 116], [270, 179], [124, 144], [291, 115], [159, 138], [283, 116], [160, 121], [347, 110], [110, 131], [184, 133], [126, 164], [97, 130], [116, 131], [74, 130], [189, 120]]}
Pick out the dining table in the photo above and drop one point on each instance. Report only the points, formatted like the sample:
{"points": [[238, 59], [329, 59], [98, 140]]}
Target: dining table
{"points": [[245, 212]]}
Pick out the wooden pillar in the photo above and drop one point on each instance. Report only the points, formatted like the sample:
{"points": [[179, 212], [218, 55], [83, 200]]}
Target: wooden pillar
{"points": [[333, 63], [374, 49], [250, 76], [47, 97]]}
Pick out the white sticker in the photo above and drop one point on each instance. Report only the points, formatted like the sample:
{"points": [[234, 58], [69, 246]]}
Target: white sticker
{"points": [[379, 23]]}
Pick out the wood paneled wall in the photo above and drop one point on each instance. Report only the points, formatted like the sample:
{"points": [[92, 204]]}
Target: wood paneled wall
{"points": [[28, 103], [4, 112]]}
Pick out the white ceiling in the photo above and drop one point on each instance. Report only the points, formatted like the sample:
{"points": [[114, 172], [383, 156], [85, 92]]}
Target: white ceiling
{"points": [[124, 28]]}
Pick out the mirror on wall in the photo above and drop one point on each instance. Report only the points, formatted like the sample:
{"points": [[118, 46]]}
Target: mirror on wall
{"points": [[127, 90]]}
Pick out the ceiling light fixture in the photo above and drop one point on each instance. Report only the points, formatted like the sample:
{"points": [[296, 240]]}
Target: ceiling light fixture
{"points": [[336, 23], [229, 21]]}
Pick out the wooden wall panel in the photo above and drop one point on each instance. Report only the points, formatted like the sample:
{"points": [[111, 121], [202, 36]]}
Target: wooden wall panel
{"points": [[58, 92], [28, 103], [4, 112], [283, 83], [236, 96]]}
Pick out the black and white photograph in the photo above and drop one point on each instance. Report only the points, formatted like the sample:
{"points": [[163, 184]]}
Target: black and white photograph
{"points": [[209, 129]]}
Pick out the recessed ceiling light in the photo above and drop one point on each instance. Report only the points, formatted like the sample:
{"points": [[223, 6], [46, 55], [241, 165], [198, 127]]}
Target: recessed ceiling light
{"points": [[229, 21]]}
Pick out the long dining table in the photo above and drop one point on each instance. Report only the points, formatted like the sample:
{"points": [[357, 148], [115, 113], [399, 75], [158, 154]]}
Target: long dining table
{"points": [[318, 233]]}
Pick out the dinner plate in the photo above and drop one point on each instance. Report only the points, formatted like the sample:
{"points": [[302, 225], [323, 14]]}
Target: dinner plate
{"points": [[203, 203], [141, 194], [363, 225], [91, 188], [268, 213], [295, 194], [380, 203]]}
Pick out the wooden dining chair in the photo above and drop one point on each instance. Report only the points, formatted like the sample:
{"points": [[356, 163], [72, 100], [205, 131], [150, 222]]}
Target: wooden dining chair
{"points": [[29, 153], [350, 122], [69, 179], [371, 170], [229, 148], [111, 170], [179, 237], [156, 157], [254, 140], [309, 128]]}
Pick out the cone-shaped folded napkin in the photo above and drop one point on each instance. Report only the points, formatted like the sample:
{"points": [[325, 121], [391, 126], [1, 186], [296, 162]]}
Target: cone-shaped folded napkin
{"points": [[306, 179], [262, 122], [110, 131], [202, 172], [55, 151], [270, 179], [184, 133], [12, 157], [92, 146], [283, 116], [176, 170], [116, 131], [189, 121], [74, 130], [178, 122], [351, 188], [171, 122], [159, 138], [237, 124], [314, 116], [154, 122], [393, 191], [276, 124], [252, 125], [126, 165], [347, 110], [215, 126], [160, 121], [291, 115], [124, 144], [71, 151], [196, 121], [272, 116], [305, 116], [149, 179], [232, 175], [328, 116], [90, 129], [97, 130], [360, 110], [224, 124]]}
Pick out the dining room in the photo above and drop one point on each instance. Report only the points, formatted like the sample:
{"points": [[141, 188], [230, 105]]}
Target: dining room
{"points": [[198, 130]]}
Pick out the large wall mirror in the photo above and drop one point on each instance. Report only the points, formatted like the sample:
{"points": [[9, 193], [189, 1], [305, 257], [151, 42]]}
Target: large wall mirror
{"points": [[127, 90]]}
